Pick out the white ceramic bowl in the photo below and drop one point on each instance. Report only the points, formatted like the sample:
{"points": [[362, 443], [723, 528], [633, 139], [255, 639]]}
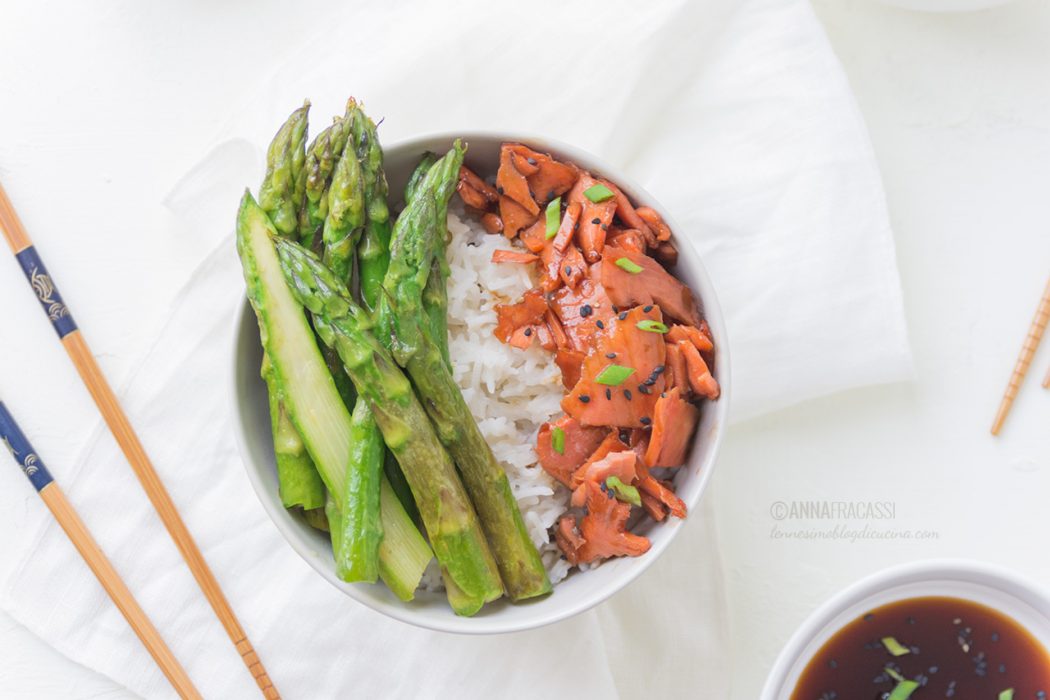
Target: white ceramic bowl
{"points": [[991, 586], [581, 590]]}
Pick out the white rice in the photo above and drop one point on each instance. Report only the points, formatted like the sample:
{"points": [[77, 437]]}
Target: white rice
{"points": [[511, 392]]}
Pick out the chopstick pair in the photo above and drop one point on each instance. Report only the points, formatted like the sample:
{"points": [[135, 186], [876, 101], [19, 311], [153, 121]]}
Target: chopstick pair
{"points": [[55, 499], [1024, 360], [120, 426]]}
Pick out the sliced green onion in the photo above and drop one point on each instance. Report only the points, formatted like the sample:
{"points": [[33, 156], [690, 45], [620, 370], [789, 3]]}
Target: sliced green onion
{"points": [[652, 326], [614, 375], [895, 647], [624, 492], [893, 674], [903, 690], [628, 265], [553, 218], [558, 440], [1007, 694], [598, 193]]}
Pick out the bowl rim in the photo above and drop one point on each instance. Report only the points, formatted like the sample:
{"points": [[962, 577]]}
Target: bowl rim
{"points": [[712, 309], [993, 576]]}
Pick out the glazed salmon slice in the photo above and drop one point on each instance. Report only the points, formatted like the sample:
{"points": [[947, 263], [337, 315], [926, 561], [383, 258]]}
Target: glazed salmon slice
{"points": [[661, 491], [583, 311], [604, 528], [471, 197], [567, 228], [626, 238], [568, 538], [535, 236], [652, 506], [550, 178], [492, 223], [515, 218], [700, 378], [676, 374], [611, 443], [628, 214], [511, 183], [526, 313], [690, 334], [579, 443], [656, 223], [513, 256], [595, 220], [652, 284], [570, 362], [622, 344], [468, 178], [674, 422], [621, 464]]}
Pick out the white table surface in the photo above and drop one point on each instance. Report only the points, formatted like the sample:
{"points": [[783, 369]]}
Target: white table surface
{"points": [[959, 112]]}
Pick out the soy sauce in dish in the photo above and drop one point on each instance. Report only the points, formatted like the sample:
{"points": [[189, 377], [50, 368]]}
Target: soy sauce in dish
{"points": [[934, 647]]}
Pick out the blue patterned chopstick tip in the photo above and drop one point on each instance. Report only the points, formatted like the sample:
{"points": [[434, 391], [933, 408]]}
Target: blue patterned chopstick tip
{"points": [[15, 441], [46, 292]]}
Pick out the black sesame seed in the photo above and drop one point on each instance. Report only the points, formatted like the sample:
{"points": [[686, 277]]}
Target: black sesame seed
{"points": [[568, 269], [625, 436], [647, 308], [659, 369], [615, 310], [605, 227], [611, 355], [644, 389], [584, 398], [550, 195], [596, 221], [627, 394], [528, 332], [663, 394], [608, 394], [622, 316], [500, 190], [599, 324], [531, 161], [586, 310], [645, 420]]}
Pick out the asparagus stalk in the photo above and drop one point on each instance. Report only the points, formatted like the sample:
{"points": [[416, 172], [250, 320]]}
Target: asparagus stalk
{"points": [[311, 400], [357, 552], [413, 270], [346, 208], [321, 158], [425, 164], [373, 255], [450, 520], [299, 483]]}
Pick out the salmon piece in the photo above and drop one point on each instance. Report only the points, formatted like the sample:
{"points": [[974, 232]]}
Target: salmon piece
{"points": [[561, 340], [612, 443], [491, 223], [543, 333], [551, 177], [526, 313], [568, 538], [661, 491], [627, 213], [514, 256], [514, 217], [467, 178], [535, 236], [626, 238], [572, 268], [692, 335], [583, 311], [550, 268], [522, 163], [594, 223], [674, 422], [656, 223], [666, 254], [629, 404], [522, 338], [620, 464], [570, 362], [652, 506], [652, 285], [676, 374], [580, 443], [604, 528], [511, 183], [471, 197], [700, 378], [567, 229], [584, 182]]}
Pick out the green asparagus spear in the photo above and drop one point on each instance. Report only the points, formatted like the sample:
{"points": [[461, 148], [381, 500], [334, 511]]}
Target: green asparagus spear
{"points": [[357, 552], [373, 255], [321, 158], [346, 208], [412, 270], [313, 405], [447, 513], [299, 483], [425, 163]]}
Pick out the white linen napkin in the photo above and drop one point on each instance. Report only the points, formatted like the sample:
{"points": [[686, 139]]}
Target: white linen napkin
{"points": [[734, 114]]}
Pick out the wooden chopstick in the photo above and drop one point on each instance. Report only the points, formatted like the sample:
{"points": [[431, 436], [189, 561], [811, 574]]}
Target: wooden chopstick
{"points": [[120, 426], [34, 469], [1046, 379], [1024, 360]]}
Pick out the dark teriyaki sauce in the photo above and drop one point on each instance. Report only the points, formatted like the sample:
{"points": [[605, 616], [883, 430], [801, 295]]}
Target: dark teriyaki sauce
{"points": [[944, 648]]}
